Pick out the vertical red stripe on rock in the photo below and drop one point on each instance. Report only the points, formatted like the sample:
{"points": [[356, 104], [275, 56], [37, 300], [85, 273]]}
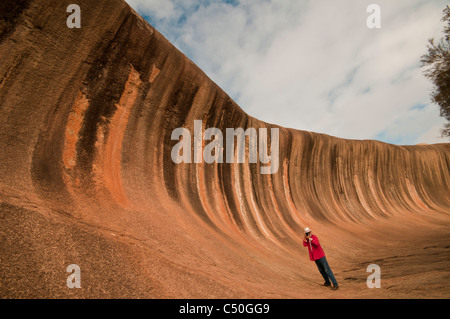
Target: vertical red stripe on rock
{"points": [[107, 166]]}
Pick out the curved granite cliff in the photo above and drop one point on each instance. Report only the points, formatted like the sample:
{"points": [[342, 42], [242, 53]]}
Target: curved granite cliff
{"points": [[87, 178]]}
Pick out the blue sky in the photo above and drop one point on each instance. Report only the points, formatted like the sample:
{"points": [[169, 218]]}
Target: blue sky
{"points": [[314, 65]]}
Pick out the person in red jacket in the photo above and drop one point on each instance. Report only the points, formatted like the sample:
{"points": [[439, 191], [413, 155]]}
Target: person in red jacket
{"points": [[316, 254]]}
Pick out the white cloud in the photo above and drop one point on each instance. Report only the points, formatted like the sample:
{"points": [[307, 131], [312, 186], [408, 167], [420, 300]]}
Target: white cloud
{"points": [[159, 9], [314, 65]]}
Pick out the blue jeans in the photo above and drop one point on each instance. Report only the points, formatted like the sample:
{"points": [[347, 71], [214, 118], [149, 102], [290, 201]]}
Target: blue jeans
{"points": [[325, 271]]}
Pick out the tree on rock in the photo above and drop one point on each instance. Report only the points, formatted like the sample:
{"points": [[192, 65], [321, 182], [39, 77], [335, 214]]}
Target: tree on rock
{"points": [[438, 62]]}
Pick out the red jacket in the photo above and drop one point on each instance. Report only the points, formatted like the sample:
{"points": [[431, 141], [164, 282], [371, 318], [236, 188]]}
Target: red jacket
{"points": [[314, 249]]}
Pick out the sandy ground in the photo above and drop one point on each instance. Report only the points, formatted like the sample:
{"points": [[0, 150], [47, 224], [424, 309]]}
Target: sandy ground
{"points": [[117, 262]]}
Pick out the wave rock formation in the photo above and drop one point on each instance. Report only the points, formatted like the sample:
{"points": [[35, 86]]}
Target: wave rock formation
{"points": [[87, 178]]}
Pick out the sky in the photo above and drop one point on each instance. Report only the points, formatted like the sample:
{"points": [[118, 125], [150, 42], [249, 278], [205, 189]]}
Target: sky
{"points": [[314, 65]]}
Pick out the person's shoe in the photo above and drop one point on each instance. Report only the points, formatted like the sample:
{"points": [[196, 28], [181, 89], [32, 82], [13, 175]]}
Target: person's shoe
{"points": [[335, 288], [326, 284]]}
